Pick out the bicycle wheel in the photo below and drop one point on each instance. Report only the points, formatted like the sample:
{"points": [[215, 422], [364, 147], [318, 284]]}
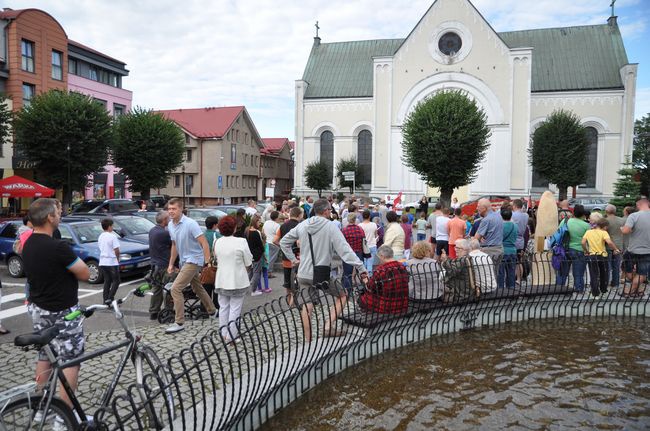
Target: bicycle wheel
{"points": [[26, 413], [155, 388]]}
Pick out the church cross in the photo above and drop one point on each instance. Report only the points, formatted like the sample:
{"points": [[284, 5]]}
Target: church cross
{"points": [[318, 28], [612, 6]]}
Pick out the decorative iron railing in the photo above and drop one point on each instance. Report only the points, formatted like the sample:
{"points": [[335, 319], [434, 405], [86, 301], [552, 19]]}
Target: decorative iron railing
{"points": [[239, 385]]}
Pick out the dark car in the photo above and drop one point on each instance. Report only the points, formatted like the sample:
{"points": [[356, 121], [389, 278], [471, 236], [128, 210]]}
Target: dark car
{"points": [[126, 226], [82, 236], [108, 206]]}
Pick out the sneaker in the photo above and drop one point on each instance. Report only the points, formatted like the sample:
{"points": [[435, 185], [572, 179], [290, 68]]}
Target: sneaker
{"points": [[174, 328], [59, 424], [269, 290], [215, 315], [256, 293]]}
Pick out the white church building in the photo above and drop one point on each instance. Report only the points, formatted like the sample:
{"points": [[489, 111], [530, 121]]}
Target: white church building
{"points": [[354, 97]]}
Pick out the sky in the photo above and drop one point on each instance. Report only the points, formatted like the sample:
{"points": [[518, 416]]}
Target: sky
{"points": [[198, 53]]}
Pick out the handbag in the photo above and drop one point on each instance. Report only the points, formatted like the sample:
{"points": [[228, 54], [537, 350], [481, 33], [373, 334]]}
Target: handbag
{"points": [[321, 272], [366, 249], [208, 274]]}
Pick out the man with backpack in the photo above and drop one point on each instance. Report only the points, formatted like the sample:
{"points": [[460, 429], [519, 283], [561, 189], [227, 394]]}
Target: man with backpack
{"points": [[567, 249]]}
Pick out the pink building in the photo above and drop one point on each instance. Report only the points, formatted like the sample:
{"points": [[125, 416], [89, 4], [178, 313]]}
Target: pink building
{"points": [[95, 74]]}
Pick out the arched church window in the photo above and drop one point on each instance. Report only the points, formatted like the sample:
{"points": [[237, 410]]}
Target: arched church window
{"points": [[364, 156], [327, 152], [592, 157]]}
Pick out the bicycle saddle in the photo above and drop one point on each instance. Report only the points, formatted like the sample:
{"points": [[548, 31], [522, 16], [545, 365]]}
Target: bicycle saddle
{"points": [[39, 338]]}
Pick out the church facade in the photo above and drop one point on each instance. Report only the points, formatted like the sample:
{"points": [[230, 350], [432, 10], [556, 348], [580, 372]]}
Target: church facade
{"points": [[355, 96]]}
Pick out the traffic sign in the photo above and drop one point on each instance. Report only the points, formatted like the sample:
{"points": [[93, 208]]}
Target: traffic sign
{"points": [[220, 182], [348, 173], [348, 177]]}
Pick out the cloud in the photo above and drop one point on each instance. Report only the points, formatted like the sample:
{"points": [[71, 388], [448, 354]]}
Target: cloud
{"points": [[199, 53]]}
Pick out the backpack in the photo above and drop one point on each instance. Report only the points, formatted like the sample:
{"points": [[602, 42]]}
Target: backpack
{"points": [[559, 242]]}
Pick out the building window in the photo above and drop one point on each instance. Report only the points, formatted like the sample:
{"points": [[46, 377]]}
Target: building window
{"points": [[189, 182], [233, 155], [187, 138], [28, 93], [93, 72], [592, 157], [364, 156], [177, 181], [27, 51], [327, 152], [101, 102], [73, 66], [188, 155], [118, 109], [57, 65]]}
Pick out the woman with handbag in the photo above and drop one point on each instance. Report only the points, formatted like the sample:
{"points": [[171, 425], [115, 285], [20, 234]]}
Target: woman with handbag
{"points": [[231, 283]]}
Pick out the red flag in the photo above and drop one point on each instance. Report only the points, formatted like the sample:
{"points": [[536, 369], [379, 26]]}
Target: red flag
{"points": [[398, 199]]}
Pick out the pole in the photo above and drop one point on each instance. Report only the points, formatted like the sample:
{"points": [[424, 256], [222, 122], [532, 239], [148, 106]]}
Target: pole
{"points": [[221, 173], [69, 191], [183, 170]]}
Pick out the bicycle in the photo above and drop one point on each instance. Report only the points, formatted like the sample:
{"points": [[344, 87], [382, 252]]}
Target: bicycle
{"points": [[27, 409]]}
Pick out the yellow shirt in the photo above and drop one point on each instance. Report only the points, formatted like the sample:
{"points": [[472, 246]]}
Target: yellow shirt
{"points": [[596, 241]]}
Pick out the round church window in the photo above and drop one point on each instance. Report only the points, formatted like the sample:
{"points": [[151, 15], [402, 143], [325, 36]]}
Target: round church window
{"points": [[450, 43]]}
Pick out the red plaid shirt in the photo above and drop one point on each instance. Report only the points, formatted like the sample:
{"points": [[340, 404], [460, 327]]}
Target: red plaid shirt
{"points": [[388, 289], [354, 235]]}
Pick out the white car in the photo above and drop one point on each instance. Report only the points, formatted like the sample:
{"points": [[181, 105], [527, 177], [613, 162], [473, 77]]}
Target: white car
{"points": [[416, 204]]}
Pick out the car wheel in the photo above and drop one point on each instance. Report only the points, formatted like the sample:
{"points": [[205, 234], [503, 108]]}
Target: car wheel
{"points": [[15, 266], [95, 273]]}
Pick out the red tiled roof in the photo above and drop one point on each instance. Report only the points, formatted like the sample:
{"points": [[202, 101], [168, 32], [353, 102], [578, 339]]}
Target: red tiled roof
{"points": [[10, 13], [94, 51], [204, 122], [273, 145], [292, 145]]}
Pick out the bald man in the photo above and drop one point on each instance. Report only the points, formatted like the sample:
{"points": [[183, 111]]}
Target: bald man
{"points": [[490, 232]]}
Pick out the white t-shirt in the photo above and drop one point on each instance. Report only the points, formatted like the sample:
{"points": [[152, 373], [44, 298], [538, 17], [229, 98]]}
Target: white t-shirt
{"points": [[107, 243], [251, 211], [270, 228], [370, 229], [442, 228]]}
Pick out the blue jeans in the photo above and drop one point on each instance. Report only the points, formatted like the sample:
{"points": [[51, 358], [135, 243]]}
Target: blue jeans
{"points": [[369, 261], [422, 236], [575, 259], [614, 268], [507, 269], [347, 273]]}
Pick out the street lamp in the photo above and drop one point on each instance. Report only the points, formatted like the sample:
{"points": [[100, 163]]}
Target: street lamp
{"points": [[183, 170]]}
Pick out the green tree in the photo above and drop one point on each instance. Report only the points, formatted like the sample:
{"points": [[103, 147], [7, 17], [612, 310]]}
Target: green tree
{"points": [[445, 139], [641, 155], [626, 188], [558, 151], [66, 135], [5, 119], [148, 148], [316, 176], [349, 165]]}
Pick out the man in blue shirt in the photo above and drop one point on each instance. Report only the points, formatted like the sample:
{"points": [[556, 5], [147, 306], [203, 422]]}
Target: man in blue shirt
{"points": [[191, 247], [490, 231]]}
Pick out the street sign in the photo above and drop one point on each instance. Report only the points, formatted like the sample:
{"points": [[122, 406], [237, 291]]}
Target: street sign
{"points": [[220, 182], [270, 192], [348, 173], [348, 177]]}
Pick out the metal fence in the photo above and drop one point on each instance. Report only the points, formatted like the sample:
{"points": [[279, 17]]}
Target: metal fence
{"points": [[239, 385]]}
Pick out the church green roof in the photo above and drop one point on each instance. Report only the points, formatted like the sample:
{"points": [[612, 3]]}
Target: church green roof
{"points": [[564, 59]]}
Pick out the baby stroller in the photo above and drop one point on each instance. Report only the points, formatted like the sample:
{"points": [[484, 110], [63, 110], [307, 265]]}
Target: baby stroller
{"points": [[194, 310]]}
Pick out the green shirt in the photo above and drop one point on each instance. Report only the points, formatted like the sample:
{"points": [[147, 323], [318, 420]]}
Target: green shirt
{"points": [[577, 229], [210, 237]]}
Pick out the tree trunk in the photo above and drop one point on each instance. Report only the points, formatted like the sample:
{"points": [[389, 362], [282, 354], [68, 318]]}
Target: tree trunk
{"points": [[445, 196], [563, 191], [67, 199], [145, 194]]}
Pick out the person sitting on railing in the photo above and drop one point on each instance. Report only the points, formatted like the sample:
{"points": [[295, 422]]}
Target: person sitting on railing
{"points": [[483, 269], [459, 278], [426, 282], [387, 291]]}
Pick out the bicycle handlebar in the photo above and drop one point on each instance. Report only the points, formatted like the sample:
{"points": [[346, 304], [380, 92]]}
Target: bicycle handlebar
{"points": [[88, 311]]}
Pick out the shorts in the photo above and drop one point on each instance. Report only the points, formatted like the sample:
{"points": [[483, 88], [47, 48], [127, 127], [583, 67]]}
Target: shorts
{"points": [[70, 342], [308, 293], [640, 261]]}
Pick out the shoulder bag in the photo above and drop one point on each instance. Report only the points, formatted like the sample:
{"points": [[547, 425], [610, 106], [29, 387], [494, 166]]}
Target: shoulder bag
{"points": [[209, 273], [321, 272]]}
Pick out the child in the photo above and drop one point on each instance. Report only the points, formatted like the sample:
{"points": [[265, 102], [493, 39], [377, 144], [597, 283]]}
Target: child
{"points": [[109, 259], [593, 244], [421, 227], [265, 271]]}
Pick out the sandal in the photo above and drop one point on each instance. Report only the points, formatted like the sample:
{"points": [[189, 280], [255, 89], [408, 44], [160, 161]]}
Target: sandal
{"points": [[4, 331]]}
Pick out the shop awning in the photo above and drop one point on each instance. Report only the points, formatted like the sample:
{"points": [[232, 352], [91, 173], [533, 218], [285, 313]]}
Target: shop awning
{"points": [[19, 187]]}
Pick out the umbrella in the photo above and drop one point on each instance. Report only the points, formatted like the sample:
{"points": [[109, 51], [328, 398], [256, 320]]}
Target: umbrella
{"points": [[19, 187]]}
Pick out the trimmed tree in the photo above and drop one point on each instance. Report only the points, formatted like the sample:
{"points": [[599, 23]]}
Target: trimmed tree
{"points": [[347, 165], [316, 176], [641, 155], [5, 119], [626, 188], [147, 148], [64, 131], [558, 151], [445, 139]]}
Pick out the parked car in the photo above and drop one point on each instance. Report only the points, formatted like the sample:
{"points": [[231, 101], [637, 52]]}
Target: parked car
{"points": [[108, 206], [149, 215], [82, 236], [126, 226], [469, 208], [229, 209], [591, 204], [433, 200], [200, 214]]}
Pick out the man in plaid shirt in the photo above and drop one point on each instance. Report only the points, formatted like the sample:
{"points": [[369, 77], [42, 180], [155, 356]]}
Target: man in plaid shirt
{"points": [[354, 235], [387, 291]]}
